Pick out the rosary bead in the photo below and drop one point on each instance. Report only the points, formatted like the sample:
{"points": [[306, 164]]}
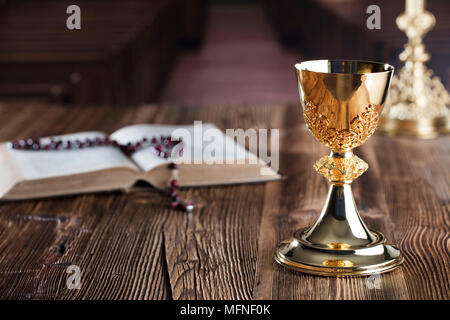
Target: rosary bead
{"points": [[88, 142], [79, 144], [173, 166], [99, 141], [174, 183]]}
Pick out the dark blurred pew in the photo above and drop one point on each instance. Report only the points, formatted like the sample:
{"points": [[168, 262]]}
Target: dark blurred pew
{"points": [[337, 29], [192, 22], [320, 32], [122, 54]]}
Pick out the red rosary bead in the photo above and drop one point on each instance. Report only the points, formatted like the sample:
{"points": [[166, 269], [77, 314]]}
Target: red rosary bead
{"points": [[173, 166]]}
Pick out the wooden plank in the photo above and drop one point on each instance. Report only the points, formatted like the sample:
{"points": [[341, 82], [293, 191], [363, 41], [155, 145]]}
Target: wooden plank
{"points": [[266, 242], [417, 191], [211, 253]]}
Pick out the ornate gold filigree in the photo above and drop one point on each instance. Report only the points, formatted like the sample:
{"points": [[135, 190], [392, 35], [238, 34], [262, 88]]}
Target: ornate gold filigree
{"points": [[341, 170], [408, 101], [418, 102], [361, 128]]}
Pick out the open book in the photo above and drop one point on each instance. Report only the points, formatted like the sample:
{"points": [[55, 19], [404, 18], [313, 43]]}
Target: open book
{"points": [[29, 174]]}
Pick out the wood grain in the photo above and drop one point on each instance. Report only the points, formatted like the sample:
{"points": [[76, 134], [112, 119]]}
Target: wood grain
{"points": [[132, 246]]}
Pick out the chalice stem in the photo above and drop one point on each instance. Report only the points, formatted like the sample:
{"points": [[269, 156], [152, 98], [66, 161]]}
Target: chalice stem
{"points": [[339, 224]]}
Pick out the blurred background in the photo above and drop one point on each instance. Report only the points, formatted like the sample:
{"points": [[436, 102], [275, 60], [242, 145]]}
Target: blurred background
{"points": [[201, 52]]}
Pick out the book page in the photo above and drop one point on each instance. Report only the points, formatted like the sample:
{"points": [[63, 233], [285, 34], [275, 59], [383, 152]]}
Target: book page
{"points": [[205, 144], [53, 163]]}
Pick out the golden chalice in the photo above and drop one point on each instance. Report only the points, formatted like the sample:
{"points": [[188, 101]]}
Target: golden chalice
{"points": [[342, 102]]}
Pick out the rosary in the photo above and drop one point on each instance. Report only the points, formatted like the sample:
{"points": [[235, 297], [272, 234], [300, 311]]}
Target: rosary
{"points": [[162, 147]]}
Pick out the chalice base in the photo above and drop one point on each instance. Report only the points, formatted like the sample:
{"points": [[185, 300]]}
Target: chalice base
{"points": [[376, 257], [420, 128], [338, 243]]}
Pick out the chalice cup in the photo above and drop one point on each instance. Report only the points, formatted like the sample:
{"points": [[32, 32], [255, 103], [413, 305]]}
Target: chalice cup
{"points": [[342, 101]]}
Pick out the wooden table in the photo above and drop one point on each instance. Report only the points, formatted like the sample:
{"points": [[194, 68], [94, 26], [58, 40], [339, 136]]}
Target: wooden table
{"points": [[132, 246]]}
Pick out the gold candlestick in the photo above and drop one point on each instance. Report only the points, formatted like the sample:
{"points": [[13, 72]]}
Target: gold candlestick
{"points": [[418, 102], [342, 101]]}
